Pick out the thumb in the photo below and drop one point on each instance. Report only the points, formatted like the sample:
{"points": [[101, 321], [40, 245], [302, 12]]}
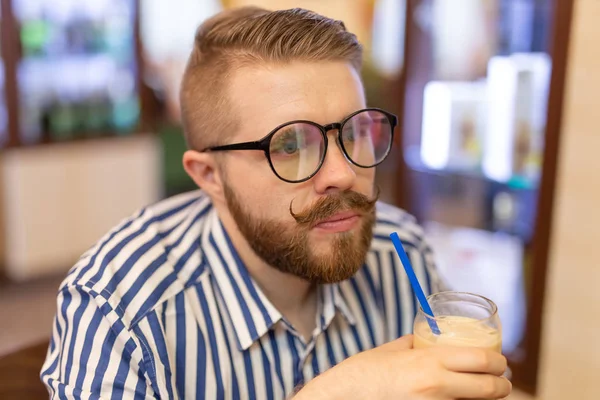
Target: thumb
{"points": [[403, 343]]}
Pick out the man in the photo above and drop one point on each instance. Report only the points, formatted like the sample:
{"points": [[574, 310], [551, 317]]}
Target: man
{"points": [[280, 269]]}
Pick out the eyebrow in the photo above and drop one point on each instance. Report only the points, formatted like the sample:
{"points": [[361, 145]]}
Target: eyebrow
{"points": [[283, 132]]}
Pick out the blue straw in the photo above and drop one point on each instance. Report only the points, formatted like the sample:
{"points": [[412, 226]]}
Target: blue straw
{"points": [[414, 282]]}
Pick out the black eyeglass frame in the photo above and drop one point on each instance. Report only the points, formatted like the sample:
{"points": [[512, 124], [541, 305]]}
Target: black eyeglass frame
{"points": [[264, 144]]}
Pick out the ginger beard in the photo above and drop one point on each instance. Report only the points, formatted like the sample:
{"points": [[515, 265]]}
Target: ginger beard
{"points": [[288, 248]]}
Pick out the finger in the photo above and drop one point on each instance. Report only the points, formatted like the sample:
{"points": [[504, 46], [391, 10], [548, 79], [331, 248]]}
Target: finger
{"points": [[472, 359], [477, 386], [404, 343]]}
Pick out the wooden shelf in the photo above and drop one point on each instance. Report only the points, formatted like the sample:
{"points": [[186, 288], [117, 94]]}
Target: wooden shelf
{"points": [[12, 57]]}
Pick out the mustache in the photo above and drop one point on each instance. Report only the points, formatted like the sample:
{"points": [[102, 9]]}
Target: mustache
{"points": [[330, 205]]}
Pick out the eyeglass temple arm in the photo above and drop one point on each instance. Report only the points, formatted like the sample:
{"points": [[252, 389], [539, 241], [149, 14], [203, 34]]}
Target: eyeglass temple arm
{"points": [[237, 146]]}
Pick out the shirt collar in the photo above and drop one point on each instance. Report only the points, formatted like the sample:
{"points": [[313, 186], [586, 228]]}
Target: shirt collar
{"points": [[252, 315]]}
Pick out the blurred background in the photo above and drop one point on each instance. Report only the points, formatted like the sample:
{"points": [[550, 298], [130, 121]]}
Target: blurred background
{"points": [[494, 154]]}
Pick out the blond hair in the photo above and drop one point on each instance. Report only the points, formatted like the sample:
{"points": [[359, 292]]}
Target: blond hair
{"points": [[249, 36]]}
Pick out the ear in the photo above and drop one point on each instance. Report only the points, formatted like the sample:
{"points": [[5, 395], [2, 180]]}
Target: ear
{"points": [[204, 171]]}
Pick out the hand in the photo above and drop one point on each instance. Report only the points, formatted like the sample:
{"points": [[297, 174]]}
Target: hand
{"points": [[397, 371]]}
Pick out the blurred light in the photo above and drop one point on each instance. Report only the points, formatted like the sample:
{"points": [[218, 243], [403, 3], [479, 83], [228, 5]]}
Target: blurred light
{"points": [[498, 149], [504, 207], [389, 23], [168, 31], [437, 116]]}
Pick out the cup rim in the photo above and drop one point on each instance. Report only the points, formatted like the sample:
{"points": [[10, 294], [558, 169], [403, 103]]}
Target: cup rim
{"points": [[494, 307]]}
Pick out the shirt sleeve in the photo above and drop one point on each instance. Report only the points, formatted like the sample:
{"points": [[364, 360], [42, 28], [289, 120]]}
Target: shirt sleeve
{"points": [[91, 354]]}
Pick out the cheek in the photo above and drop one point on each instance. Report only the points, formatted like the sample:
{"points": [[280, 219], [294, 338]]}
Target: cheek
{"points": [[250, 168], [266, 196], [365, 179], [368, 174], [261, 198]]}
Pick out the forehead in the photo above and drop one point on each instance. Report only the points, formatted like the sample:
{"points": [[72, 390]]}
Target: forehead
{"points": [[266, 96]]}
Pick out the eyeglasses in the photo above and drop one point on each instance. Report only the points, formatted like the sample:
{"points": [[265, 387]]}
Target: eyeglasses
{"points": [[296, 150]]}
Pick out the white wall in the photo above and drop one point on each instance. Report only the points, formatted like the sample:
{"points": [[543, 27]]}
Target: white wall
{"points": [[58, 200]]}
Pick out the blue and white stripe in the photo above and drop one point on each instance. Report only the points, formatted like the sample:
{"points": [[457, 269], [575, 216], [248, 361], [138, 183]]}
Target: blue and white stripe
{"points": [[163, 307]]}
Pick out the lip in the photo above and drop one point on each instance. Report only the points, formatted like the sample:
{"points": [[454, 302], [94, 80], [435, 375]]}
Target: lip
{"points": [[340, 222], [339, 217]]}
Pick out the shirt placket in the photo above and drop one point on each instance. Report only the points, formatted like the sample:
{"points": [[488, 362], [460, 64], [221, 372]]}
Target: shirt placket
{"points": [[306, 350]]}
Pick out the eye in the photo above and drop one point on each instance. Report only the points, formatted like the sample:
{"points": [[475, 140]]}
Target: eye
{"points": [[358, 131], [290, 146], [286, 143]]}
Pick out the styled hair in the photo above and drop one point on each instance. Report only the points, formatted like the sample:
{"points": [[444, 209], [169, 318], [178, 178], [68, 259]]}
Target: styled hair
{"points": [[249, 36]]}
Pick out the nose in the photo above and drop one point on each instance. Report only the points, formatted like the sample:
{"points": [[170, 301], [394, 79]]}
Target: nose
{"points": [[336, 173]]}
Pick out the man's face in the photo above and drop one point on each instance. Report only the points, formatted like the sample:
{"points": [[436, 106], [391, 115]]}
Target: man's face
{"points": [[320, 229]]}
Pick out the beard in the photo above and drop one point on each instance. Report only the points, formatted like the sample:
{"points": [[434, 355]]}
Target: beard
{"points": [[288, 248]]}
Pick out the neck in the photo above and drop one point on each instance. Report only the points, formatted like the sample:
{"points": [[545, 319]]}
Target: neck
{"points": [[294, 297]]}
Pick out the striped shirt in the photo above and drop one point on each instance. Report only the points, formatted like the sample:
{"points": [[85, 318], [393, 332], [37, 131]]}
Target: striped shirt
{"points": [[163, 307]]}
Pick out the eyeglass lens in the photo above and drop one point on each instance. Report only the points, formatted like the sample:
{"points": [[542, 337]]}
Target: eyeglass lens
{"points": [[297, 150]]}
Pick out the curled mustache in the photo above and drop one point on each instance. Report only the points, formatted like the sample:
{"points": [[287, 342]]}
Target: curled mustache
{"points": [[330, 205]]}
